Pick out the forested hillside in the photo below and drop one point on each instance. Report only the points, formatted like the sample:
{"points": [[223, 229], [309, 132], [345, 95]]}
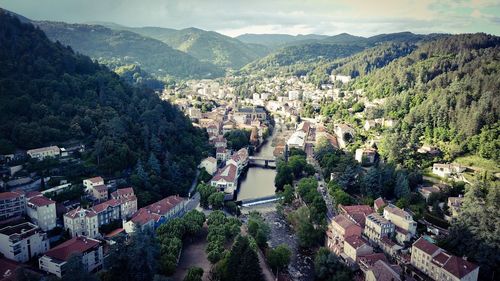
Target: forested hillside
{"points": [[49, 94], [446, 93], [278, 40], [117, 48], [207, 46]]}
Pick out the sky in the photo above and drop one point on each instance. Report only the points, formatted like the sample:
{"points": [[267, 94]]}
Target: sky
{"points": [[235, 17]]}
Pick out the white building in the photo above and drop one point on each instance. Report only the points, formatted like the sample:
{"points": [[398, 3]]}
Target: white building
{"points": [[210, 165], [82, 222], [226, 179], [297, 140], [293, 95], [12, 204], [401, 219], [239, 159], [22, 242], [42, 211], [89, 249], [44, 152], [446, 170]]}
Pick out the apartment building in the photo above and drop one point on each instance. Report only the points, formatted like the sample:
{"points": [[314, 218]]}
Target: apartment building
{"points": [[44, 152], [41, 210], [22, 242], [81, 222], [89, 249], [356, 213], [95, 187], [128, 201], [354, 247], [401, 219], [440, 265], [382, 271], [377, 227], [340, 228], [12, 204]]}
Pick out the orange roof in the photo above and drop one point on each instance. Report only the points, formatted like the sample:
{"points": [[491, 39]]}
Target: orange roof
{"points": [[76, 245], [104, 205], [156, 210], [128, 191], [41, 201], [10, 195], [425, 246], [228, 173], [95, 179]]}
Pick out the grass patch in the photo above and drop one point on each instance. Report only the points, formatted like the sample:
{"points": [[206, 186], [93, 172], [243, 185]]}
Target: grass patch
{"points": [[478, 163]]}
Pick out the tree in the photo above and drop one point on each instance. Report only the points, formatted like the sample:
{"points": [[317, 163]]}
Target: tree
{"points": [[216, 200], [75, 270], [237, 139], [242, 262], [205, 191], [288, 194], [194, 274], [371, 182], [193, 221], [402, 188], [284, 175], [279, 257], [258, 228], [328, 267]]}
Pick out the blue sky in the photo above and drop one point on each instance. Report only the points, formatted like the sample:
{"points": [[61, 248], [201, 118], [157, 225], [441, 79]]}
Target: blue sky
{"points": [[233, 17]]}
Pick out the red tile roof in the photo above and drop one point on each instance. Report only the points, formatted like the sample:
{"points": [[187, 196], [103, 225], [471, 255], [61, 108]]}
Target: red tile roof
{"points": [[364, 209], [76, 245], [95, 179], [355, 241], [459, 267], [385, 272], [101, 188], [104, 205], [228, 173], [8, 270], [425, 246], [10, 195], [40, 201], [73, 213], [379, 202], [156, 210], [123, 192], [33, 194], [220, 149], [369, 260]]}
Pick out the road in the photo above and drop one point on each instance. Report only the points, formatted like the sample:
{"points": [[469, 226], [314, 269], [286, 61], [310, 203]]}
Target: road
{"points": [[323, 190]]}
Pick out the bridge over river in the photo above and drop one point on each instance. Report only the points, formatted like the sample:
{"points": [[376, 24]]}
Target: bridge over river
{"points": [[262, 161]]}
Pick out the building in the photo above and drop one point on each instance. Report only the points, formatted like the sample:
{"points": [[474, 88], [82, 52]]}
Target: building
{"points": [[22, 242], [297, 140], [356, 213], [128, 201], [209, 164], [222, 153], [426, 191], [340, 228], [108, 212], [439, 265], [367, 261], [239, 159], [245, 115], [44, 152], [379, 203], [377, 227], [89, 249], [366, 156], [345, 134], [81, 222], [157, 213], [446, 170], [401, 219], [12, 204], [95, 186], [42, 211], [354, 247], [226, 179], [454, 205], [382, 271]]}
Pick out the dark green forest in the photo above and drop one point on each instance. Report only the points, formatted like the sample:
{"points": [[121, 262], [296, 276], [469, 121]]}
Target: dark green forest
{"points": [[49, 95]]}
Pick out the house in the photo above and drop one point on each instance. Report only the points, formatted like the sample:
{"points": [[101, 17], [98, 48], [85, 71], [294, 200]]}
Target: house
{"points": [[379, 203], [426, 191], [209, 164], [297, 140], [340, 228], [382, 271], [377, 227], [439, 265], [108, 212], [12, 204], [23, 241], [153, 215], [90, 183], [220, 141], [389, 247], [356, 213], [367, 261], [454, 205], [354, 247], [401, 219], [345, 134], [446, 170], [226, 179], [222, 153], [128, 201], [427, 149], [90, 250], [44, 152], [100, 192], [239, 159], [244, 115], [366, 156], [41, 210], [81, 222]]}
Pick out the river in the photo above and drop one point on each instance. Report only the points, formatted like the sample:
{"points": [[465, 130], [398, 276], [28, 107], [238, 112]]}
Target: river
{"points": [[259, 182]]}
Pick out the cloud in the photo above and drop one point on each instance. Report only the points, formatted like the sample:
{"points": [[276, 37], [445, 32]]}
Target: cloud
{"points": [[232, 17]]}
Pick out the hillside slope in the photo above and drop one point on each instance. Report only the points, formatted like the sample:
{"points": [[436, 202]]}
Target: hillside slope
{"points": [[117, 48], [49, 95]]}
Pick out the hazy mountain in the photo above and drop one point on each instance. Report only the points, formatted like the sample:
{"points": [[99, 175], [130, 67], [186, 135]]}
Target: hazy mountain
{"points": [[277, 40], [207, 46], [118, 47]]}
